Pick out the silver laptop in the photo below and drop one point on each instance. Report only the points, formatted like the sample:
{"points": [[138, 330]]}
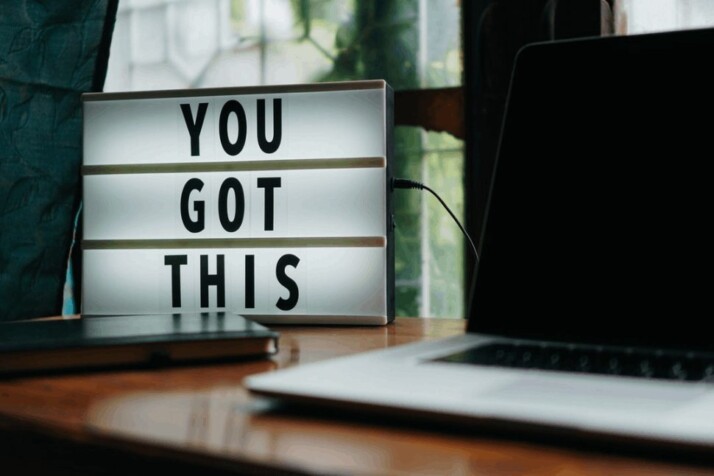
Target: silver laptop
{"points": [[593, 301]]}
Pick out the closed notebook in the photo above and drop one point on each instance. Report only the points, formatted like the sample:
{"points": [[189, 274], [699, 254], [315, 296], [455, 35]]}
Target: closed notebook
{"points": [[130, 340]]}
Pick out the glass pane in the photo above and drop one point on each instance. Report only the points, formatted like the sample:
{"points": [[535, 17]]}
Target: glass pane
{"points": [[649, 16], [162, 44]]}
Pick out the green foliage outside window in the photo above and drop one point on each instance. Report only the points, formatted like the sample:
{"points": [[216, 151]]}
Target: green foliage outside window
{"points": [[410, 43], [352, 39]]}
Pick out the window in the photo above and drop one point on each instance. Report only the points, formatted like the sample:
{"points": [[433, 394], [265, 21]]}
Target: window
{"points": [[649, 16], [167, 44]]}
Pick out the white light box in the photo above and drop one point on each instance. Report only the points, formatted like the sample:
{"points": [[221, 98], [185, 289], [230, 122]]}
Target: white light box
{"points": [[272, 202]]}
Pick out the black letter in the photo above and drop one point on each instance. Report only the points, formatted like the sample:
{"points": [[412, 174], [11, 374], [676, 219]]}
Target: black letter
{"points": [[269, 183], [175, 261], [284, 279], [250, 281], [232, 148], [218, 280], [272, 146], [198, 206], [231, 183], [194, 127]]}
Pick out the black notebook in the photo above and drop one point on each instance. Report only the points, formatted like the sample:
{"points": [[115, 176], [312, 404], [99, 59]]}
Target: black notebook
{"points": [[130, 340]]}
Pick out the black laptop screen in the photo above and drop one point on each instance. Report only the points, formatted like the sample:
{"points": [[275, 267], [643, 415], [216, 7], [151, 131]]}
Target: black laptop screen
{"points": [[600, 219]]}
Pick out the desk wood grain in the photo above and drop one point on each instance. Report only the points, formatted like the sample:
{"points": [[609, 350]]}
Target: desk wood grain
{"points": [[201, 417]]}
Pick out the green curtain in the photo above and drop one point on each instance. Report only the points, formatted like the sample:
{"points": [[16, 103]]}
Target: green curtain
{"points": [[50, 52]]}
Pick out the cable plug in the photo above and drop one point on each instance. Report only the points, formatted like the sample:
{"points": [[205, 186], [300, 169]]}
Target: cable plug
{"points": [[406, 184]]}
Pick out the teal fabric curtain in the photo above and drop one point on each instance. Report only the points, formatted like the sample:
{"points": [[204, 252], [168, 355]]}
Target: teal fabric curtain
{"points": [[50, 53]]}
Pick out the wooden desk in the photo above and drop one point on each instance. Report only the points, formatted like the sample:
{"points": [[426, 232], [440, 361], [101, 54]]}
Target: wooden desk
{"points": [[200, 418]]}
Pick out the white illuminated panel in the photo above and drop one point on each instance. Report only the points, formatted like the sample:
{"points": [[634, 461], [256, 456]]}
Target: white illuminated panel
{"points": [[342, 202], [272, 202], [329, 124], [329, 281]]}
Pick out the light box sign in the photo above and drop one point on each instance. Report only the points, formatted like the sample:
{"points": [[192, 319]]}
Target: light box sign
{"points": [[272, 202]]}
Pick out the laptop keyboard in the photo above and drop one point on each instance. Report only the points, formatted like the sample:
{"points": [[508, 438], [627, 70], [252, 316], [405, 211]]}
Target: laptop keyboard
{"points": [[630, 363]]}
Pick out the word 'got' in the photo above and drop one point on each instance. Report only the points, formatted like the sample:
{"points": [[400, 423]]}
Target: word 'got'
{"points": [[230, 186], [233, 108]]}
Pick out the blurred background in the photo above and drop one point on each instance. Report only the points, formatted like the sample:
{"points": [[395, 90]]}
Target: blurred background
{"points": [[172, 44], [415, 45]]}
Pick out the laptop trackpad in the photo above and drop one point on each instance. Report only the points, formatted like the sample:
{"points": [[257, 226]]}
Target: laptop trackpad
{"points": [[601, 395]]}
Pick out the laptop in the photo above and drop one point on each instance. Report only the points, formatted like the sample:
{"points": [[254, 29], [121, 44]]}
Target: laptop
{"points": [[593, 295]]}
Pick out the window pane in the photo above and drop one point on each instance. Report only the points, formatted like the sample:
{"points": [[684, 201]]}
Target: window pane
{"points": [[649, 16], [162, 44]]}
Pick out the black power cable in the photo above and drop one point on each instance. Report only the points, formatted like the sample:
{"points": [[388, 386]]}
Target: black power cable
{"points": [[411, 184], [406, 184]]}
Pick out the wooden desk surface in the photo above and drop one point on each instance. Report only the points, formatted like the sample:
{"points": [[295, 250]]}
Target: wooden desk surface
{"points": [[201, 418]]}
